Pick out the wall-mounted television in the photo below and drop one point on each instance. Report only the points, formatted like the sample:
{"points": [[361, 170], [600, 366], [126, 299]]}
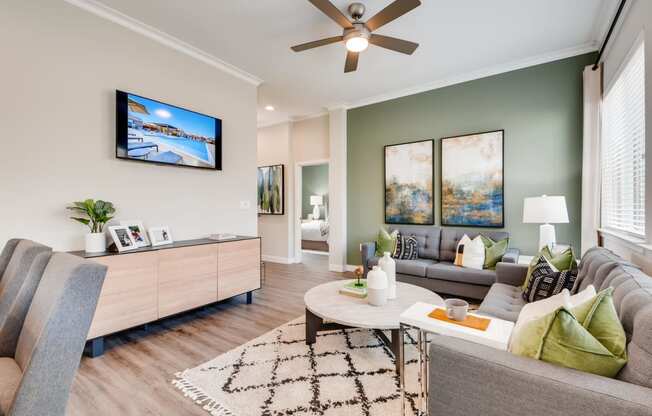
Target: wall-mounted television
{"points": [[151, 131]]}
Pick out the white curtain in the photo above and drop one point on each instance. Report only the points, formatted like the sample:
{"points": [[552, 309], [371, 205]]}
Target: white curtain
{"points": [[591, 158]]}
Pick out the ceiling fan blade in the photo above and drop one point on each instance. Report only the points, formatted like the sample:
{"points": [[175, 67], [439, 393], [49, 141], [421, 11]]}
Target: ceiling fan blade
{"points": [[333, 12], [391, 12], [351, 61], [317, 43], [398, 45]]}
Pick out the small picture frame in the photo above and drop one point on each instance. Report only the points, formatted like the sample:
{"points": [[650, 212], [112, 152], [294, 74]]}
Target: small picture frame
{"points": [[138, 232], [160, 236], [122, 238]]}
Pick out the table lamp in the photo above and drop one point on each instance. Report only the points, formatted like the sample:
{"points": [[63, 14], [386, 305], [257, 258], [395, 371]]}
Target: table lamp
{"points": [[545, 210], [316, 201]]}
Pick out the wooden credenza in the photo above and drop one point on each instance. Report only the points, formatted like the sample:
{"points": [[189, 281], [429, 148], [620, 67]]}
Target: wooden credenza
{"points": [[148, 284]]}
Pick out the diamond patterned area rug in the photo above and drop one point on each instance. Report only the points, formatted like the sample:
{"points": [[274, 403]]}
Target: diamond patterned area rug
{"points": [[346, 372]]}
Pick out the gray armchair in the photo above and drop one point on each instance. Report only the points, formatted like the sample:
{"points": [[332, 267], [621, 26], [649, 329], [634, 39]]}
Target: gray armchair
{"points": [[470, 379], [6, 254], [37, 380], [17, 287]]}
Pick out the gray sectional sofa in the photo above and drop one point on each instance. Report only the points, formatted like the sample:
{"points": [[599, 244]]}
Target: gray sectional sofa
{"points": [[434, 269], [472, 379]]}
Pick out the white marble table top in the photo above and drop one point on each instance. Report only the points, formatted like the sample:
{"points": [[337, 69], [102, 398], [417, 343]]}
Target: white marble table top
{"points": [[326, 302]]}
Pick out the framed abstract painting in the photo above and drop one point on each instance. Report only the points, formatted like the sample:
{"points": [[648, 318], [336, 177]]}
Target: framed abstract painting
{"points": [[271, 191], [472, 180], [409, 173]]}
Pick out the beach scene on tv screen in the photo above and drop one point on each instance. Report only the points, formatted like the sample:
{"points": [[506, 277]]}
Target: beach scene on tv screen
{"points": [[162, 133]]}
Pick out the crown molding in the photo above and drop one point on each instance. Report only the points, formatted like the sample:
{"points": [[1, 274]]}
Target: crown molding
{"points": [[296, 119], [163, 38], [273, 123], [293, 119], [473, 75]]}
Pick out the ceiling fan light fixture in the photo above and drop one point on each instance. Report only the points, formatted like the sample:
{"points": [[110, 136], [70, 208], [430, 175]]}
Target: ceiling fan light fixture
{"points": [[357, 44]]}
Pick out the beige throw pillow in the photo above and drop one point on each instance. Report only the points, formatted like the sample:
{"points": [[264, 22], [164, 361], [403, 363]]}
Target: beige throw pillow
{"points": [[460, 255]]}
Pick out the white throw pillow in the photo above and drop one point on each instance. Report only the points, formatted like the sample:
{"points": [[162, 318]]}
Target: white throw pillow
{"points": [[535, 310], [458, 257], [584, 296], [474, 254]]}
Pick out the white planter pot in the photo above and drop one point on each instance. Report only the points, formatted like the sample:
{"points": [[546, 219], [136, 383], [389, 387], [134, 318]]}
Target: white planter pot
{"points": [[388, 265], [95, 243], [377, 287]]}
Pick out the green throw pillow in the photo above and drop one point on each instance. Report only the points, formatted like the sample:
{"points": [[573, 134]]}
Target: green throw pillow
{"points": [[385, 242], [588, 338], [493, 251], [562, 261]]}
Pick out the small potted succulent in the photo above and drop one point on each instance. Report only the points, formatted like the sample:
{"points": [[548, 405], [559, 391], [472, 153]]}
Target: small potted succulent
{"points": [[95, 214]]}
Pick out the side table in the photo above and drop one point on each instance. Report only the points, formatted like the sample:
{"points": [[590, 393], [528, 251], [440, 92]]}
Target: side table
{"points": [[416, 317]]}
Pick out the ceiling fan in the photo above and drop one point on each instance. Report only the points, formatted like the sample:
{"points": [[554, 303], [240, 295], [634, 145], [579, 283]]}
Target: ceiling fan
{"points": [[358, 35]]}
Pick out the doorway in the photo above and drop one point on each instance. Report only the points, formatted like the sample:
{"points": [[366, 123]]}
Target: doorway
{"points": [[311, 205]]}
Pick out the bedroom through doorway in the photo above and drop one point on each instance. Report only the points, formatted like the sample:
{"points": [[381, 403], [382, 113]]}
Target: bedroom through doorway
{"points": [[312, 234]]}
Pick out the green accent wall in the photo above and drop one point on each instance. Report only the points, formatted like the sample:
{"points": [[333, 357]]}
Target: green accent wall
{"points": [[540, 109], [314, 181]]}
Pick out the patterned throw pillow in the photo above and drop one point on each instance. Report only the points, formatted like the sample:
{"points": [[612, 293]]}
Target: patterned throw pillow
{"points": [[546, 281], [406, 247]]}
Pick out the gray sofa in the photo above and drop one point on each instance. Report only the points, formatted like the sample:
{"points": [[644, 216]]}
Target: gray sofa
{"points": [[471, 379], [434, 269]]}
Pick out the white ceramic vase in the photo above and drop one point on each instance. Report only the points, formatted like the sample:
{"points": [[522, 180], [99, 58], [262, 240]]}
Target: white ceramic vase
{"points": [[388, 265], [377, 287], [95, 243]]}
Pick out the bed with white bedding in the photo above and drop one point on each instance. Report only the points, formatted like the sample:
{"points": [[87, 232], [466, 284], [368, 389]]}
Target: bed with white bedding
{"points": [[314, 235]]}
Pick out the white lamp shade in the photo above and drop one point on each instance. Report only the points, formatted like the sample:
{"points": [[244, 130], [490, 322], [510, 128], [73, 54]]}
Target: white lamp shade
{"points": [[316, 200], [545, 210]]}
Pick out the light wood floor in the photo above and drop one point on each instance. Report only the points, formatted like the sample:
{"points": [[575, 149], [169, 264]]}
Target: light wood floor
{"points": [[133, 376]]}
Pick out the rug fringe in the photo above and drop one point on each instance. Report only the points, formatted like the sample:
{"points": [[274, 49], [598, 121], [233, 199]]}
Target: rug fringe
{"points": [[199, 396]]}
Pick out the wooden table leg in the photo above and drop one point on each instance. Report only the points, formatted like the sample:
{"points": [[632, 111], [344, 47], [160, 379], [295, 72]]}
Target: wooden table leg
{"points": [[394, 345], [313, 324]]}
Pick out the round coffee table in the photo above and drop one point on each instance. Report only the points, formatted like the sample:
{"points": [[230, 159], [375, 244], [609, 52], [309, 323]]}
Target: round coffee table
{"points": [[327, 310]]}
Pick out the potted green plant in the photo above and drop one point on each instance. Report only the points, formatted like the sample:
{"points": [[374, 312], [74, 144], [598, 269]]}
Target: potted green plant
{"points": [[95, 214]]}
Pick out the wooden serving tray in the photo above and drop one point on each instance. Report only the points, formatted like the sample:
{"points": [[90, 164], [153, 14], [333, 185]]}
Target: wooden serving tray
{"points": [[471, 321]]}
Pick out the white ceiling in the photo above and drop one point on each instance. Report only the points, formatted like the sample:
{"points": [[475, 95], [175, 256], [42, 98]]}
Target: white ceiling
{"points": [[459, 40]]}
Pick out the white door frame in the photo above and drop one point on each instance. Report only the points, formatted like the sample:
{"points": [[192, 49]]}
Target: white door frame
{"points": [[298, 192]]}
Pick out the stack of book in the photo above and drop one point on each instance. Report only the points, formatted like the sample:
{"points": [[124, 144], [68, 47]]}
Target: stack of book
{"points": [[350, 289]]}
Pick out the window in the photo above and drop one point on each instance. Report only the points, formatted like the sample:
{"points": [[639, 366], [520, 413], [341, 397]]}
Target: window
{"points": [[623, 149]]}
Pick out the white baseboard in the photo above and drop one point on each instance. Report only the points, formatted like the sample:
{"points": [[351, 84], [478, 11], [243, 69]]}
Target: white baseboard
{"points": [[350, 267], [336, 268], [319, 253], [277, 259]]}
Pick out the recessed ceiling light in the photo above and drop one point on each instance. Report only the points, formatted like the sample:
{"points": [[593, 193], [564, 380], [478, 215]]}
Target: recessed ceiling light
{"points": [[269, 108]]}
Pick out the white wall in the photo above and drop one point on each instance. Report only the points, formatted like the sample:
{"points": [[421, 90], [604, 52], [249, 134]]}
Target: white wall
{"points": [[275, 148], [635, 21], [337, 189], [310, 139], [60, 68], [288, 144]]}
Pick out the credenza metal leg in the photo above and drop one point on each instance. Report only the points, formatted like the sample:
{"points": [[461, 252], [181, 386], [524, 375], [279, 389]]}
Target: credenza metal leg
{"points": [[95, 347], [250, 297]]}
